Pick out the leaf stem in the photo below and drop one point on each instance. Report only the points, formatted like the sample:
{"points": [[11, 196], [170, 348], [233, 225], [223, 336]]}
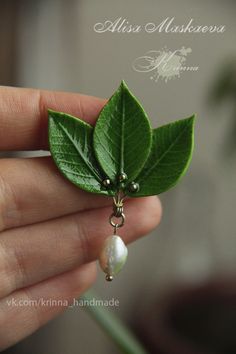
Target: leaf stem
{"points": [[113, 326]]}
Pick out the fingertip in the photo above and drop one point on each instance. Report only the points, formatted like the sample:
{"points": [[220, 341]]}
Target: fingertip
{"points": [[143, 215], [87, 274], [155, 210]]}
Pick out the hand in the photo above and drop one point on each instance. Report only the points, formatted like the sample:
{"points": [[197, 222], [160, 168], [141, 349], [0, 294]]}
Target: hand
{"points": [[51, 231]]}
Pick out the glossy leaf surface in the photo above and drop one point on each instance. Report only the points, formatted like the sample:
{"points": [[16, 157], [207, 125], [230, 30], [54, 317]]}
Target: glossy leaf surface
{"points": [[122, 135], [71, 147], [170, 155]]}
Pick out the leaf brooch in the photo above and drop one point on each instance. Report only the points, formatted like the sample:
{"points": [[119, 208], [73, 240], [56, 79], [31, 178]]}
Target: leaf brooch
{"points": [[121, 156]]}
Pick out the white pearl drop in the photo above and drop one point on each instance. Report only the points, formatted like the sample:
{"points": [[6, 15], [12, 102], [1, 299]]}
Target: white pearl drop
{"points": [[113, 255]]}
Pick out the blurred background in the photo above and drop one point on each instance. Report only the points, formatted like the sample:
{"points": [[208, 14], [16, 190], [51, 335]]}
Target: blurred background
{"points": [[178, 286]]}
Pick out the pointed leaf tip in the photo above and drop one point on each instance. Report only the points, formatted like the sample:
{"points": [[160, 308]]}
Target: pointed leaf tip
{"points": [[123, 83], [121, 126], [170, 155]]}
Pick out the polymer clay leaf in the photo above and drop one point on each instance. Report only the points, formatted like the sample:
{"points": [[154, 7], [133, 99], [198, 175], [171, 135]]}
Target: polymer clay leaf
{"points": [[71, 147], [122, 135], [170, 155]]}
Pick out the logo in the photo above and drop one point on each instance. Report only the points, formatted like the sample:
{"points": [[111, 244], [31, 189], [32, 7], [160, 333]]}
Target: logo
{"points": [[164, 64]]}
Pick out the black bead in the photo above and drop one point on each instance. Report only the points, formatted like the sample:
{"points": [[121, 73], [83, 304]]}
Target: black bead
{"points": [[133, 187], [106, 182], [122, 177]]}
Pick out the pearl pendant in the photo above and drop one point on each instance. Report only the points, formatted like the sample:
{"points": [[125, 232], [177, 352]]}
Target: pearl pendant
{"points": [[113, 256]]}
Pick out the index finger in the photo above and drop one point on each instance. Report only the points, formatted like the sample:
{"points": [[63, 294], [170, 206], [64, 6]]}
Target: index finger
{"points": [[23, 115]]}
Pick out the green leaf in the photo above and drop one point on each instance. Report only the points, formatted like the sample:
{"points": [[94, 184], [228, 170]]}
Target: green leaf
{"points": [[171, 152], [122, 135], [71, 147]]}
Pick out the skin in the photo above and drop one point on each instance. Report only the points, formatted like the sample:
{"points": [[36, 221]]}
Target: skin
{"points": [[51, 231]]}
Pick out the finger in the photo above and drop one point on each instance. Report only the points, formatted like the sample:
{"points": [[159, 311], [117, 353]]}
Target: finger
{"points": [[23, 115], [36, 252], [26, 310], [33, 190]]}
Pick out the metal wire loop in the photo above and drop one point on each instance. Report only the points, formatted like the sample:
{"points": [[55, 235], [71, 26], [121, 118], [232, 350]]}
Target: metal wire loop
{"points": [[114, 224]]}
